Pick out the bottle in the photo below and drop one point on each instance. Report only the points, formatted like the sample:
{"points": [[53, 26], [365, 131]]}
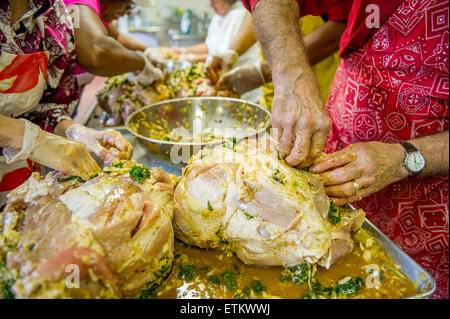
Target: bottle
{"points": [[185, 25]]}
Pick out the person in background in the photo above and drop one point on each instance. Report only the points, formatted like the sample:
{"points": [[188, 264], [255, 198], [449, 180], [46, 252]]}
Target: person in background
{"points": [[102, 50], [38, 93], [321, 37], [388, 147], [223, 29]]}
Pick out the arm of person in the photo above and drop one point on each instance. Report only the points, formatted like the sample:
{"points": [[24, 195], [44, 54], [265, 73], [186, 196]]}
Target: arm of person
{"points": [[299, 121], [127, 41], [324, 40], [22, 140], [106, 144], [200, 48], [99, 53], [362, 169], [225, 61], [320, 44], [11, 132], [246, 37]]}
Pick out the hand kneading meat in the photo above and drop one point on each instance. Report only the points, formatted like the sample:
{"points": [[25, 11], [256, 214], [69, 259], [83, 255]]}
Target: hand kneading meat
{"points": [[243, 198], [114, 232]]}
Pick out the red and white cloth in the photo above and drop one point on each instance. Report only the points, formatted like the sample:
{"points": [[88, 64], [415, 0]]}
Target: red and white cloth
{"points": [[395, 88], [393, 85]]}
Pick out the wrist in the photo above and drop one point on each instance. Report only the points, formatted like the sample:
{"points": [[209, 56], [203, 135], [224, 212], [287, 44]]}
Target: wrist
{"points": [[399, 155], [266, 71]]}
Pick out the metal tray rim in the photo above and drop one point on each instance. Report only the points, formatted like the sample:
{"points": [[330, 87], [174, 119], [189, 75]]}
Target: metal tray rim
{"points": [[368, 225]]}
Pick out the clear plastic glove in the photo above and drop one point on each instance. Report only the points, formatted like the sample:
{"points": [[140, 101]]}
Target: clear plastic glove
{"points": [[53, 151], [155, 67], [243, 79], [107, 144], [224, 62]]}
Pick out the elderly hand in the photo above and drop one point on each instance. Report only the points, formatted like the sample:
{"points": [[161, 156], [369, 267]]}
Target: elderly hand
{"points": [[53, 151], [107, 144], [155, 67], [299, 122], [220, 62], [243, 79], [360, 170]]}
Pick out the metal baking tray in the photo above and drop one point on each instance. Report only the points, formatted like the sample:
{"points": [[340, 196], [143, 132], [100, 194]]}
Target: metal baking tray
{"points": [[425, 283]]}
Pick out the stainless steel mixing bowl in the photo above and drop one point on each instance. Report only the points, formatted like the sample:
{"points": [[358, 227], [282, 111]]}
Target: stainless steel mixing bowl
{"points": [[225, 118]]}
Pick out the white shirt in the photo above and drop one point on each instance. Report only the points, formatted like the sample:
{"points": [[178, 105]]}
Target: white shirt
{"points": [[222, 31]]}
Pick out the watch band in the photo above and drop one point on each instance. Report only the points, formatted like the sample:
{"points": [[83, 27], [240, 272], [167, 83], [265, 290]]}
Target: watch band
{"points": [[409, 147]]}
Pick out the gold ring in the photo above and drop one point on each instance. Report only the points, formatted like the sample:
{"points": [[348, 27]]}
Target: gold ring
{"points": [[356, 185]]}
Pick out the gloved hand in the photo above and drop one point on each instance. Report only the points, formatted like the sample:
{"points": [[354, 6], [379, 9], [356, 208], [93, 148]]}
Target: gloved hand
{"points": [[53, 151], [107, 144], [155, 67], [243, 79], [224, 62]]}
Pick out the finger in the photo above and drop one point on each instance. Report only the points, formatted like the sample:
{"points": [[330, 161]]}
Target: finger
{"points": [[334, 160], [300, 151], [348, 189], [116, 140], [342, 174], [317, 146], [223, 84], [339, 201]]}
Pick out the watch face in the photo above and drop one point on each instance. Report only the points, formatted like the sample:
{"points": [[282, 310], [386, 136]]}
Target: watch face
{"points": [[415, 162]]}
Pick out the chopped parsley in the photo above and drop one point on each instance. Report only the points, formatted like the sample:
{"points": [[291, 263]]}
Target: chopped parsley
{"points": [[210, 207], [93, 176], [257, 287], [148, 292], [139, 173], [214, 279], [118, 165], [186, 272], [229, 280], [248, 215], [71, 178], [276, 176], [221, 240], [350, 287], [300, 273], [334, 215]]}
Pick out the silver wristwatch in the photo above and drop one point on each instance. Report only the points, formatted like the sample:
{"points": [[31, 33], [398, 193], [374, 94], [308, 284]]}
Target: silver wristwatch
{"points": [[414, 161]]}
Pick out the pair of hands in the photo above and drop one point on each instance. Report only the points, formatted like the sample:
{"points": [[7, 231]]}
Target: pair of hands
{"points": [[70, 155], [239, 80], [301, 125]]}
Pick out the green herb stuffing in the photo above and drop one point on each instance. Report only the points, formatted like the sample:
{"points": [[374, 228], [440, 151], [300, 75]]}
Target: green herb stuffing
{"points": [[139, 173], [300, 273], [334, 215], [71, 178], [118, 165], [351, 287], [276, 176]]}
